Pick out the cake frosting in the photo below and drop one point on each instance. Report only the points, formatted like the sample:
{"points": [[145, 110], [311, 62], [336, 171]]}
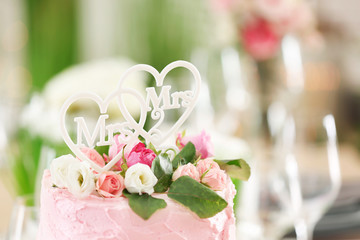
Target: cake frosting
{"points": [[65, 217]]}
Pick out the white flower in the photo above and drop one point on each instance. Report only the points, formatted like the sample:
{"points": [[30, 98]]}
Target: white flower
{"points": [[80, 179], [59, 170], [100, 77], [41, 120], [41, 117], [68, 172], [140, 179]]}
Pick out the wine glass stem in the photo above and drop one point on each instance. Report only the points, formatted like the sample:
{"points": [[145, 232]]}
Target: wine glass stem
{"points": [[304, 231], [309, 231]]}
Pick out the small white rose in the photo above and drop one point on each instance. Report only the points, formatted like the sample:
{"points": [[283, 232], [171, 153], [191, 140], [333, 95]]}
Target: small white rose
{"points": [[59, 170], [140, 179], [80, 179]]}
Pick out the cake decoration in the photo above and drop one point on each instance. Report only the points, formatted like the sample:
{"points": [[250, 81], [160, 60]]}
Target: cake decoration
{"points": [[141, 165], [131, 129]]}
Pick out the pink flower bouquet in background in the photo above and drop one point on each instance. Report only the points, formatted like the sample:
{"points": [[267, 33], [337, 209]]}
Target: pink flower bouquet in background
{"points": [[259, 39], [263, 23]]}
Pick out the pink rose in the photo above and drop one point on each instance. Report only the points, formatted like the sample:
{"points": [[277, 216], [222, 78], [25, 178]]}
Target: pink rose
{"points": [[260, 40], [110, 185], [205, 165], [115, 149], [94, 156], [216, 179], [186, 170], [202, 143], [140, 154]]}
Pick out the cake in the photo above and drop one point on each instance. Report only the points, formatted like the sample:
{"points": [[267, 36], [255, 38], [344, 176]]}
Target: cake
{"points": [[65, 217], [142, 186]]}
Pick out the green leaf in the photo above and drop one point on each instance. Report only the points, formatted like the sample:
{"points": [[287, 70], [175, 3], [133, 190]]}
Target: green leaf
{"points": [[124, 168], [183, 133], [152, 148], [163, 184], [162, 168], [198, 198], [238, 185], [144, 205], [186, 155], [238, 168], [102, 149], [142, 139]]}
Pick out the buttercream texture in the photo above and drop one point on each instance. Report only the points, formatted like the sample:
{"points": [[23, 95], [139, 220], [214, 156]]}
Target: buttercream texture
{"points": [[65, 217]]}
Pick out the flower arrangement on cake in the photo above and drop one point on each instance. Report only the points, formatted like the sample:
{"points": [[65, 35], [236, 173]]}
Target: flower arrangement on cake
{"points": [[192, 177], [128, 182]]}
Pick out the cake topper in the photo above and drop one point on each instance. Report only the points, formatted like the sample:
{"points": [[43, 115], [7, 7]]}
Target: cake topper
{"points": [[130, 129], [136, 168]]}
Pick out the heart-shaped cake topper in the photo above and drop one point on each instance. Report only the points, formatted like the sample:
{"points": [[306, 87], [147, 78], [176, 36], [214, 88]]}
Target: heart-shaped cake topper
{"points": [[131, 129]]}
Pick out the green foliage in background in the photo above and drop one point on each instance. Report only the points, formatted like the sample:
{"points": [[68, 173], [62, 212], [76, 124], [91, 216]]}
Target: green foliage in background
{"points": [[52, 42], [52, 46], [158, 32], [25, 160]]}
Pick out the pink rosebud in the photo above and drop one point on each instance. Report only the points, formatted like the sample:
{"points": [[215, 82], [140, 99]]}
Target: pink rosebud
{"points": [[260, 40], [186, 170], [216, 179], [202, 142], [106, 158], [94, 156], [110, 185], [115, 149], [140, 154], [205, 165]]}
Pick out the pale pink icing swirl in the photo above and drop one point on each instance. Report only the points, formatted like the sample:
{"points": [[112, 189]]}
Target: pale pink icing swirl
{"points": [[64, 217]]}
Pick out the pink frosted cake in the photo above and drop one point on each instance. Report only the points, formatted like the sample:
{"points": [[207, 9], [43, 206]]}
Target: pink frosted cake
{"points": [[65, 217], [77, 203], [127, 183]]}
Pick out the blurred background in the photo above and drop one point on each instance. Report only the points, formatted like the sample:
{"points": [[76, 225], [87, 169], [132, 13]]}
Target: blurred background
{"points": [[277, 75]]}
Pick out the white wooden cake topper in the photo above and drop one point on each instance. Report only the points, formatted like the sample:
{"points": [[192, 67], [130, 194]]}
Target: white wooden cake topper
{"points": [[130, 129]]}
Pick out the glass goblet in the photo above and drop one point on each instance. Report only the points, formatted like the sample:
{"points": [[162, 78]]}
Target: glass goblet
{"points": [[24, 219]]}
